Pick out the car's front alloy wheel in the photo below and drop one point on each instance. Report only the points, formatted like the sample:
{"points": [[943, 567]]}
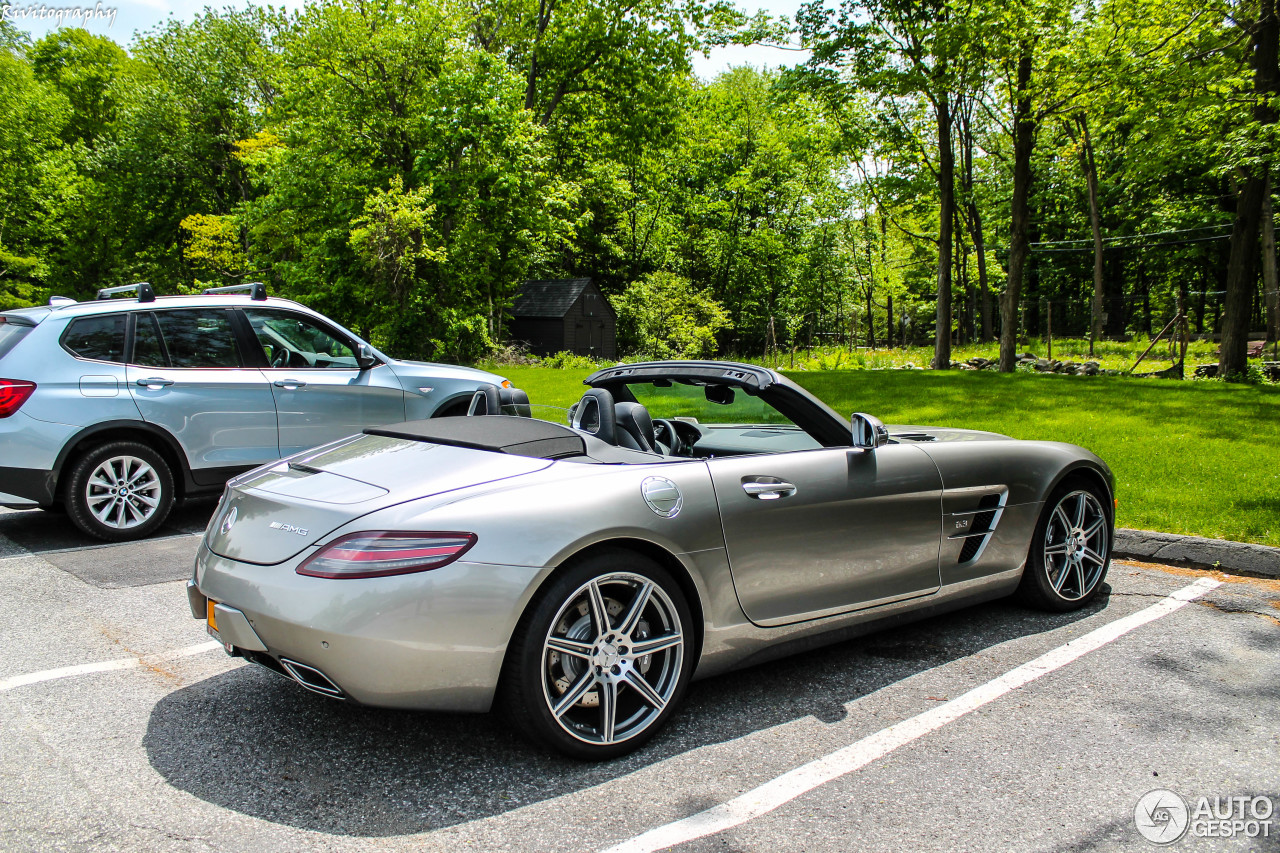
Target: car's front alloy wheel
{"points": [[121, 490], [601, 658], [1071, 551]]}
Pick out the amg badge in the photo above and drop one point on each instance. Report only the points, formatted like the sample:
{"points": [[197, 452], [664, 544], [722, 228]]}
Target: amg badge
{"points": [[288, 528]]}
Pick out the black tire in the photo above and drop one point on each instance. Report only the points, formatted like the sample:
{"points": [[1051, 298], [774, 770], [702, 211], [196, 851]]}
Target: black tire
{"points": [[144, 496], [535, 674], [1077, 525]]}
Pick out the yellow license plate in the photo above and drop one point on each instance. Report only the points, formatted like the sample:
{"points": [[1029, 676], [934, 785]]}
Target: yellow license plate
{"points": [[213, 620]]}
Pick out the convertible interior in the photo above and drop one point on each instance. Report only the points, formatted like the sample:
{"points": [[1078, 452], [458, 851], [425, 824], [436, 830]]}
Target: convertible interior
{"points": [[685, 410]]}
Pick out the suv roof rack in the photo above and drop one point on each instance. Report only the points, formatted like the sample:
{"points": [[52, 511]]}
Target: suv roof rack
{"points": [[257, 290], [59, 301], [144, 291]]}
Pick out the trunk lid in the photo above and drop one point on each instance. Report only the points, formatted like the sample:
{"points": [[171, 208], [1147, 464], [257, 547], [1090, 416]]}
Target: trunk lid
{"points": [[271, 514]]}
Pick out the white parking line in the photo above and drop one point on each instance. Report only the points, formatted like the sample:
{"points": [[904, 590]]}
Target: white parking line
{"points": [[104, 666], [769, 796]]}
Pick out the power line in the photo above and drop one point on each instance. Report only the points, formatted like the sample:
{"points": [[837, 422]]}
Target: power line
{"points": [[1080, 249], [1134, 236]]}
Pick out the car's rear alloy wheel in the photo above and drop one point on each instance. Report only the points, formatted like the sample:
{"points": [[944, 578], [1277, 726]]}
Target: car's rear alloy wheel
{"points": [[1071, 551], [603, 657], [121, 490]]}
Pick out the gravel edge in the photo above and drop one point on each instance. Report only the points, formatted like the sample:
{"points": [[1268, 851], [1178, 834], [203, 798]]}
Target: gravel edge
{"points": [[1197, 552]]}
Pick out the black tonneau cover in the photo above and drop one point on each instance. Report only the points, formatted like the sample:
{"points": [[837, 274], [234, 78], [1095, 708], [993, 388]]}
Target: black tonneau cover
{"points": [[498, 433]]}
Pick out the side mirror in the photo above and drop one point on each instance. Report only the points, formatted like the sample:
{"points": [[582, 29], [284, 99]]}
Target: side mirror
{"points": [[365, 359], [868, 432]]}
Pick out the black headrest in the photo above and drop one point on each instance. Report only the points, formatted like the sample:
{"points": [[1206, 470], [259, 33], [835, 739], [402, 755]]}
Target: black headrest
{"points": [[594, 415], [514, 402], [486, 401], [634, 421]]}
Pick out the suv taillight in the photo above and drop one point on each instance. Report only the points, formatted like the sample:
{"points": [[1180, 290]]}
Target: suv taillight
{"points": [[378, 553], [13, 393]]}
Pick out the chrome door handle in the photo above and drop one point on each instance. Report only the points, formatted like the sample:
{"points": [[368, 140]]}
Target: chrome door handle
{"points": [[769, 491], [154, 382], [289, 383]]}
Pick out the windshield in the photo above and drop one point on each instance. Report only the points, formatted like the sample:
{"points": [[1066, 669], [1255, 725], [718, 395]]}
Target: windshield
{"points": [[705, 404]]}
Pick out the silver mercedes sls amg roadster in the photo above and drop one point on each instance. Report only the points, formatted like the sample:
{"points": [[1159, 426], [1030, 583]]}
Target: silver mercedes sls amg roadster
{"points": [[578, 567]]}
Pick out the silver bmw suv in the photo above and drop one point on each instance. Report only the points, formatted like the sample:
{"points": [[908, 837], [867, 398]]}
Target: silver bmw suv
{"points": [[115, 408]]}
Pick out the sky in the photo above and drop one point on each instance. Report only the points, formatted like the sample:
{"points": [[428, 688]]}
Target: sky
{"points": [[119, 20]]}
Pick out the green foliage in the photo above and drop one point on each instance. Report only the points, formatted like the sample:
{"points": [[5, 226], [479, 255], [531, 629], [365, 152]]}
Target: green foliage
{"points": [[37, 179], [404, 165], [213, 243], [85, 69], [663, 316]]}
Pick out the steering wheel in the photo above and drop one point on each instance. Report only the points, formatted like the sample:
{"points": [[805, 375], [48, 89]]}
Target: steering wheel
{"points": [[667, 439], [281, 357]]}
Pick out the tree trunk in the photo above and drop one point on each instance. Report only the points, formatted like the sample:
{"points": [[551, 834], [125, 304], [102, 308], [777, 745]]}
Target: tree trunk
{"points": [[1095, 226], [1242, 267], [871, 284], [888, 325], [975, 229], [1024, 140], [946, 212], [1269, 284]]}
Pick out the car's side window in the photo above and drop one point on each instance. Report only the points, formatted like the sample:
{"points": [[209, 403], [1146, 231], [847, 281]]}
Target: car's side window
{"points": [[294, 341], [198, 337], [98, 338], [147, 350]]}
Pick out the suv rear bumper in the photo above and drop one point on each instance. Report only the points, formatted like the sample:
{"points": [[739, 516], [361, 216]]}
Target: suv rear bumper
{"points": [[23, 488], [36, 444]]}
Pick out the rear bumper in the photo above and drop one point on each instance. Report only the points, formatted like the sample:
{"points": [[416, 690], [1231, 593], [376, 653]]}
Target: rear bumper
{"points": [[22, 488], [36, 445], [431, 641]]}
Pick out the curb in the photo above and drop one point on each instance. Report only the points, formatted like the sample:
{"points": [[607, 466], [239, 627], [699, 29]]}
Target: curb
{"points": [[1197, 552]]}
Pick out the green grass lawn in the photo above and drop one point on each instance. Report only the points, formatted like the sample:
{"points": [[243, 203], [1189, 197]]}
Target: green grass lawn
{"points": [[1190, 457]]}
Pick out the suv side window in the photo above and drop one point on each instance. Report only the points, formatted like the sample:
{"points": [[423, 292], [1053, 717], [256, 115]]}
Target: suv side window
{"points": [[147, 349], [294, 341], [98, 338], [196, 337]]}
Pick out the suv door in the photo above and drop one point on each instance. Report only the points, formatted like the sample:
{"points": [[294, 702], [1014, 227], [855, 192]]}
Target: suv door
{"points": [[187, 374], [321, 393], [817, 532]]}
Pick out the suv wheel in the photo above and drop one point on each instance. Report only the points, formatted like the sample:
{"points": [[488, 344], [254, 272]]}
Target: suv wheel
{"points": [[122, 490]]}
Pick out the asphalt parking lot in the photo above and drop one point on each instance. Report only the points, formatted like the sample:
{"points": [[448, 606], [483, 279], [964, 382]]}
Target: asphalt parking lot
{"points": [[123, 728]]}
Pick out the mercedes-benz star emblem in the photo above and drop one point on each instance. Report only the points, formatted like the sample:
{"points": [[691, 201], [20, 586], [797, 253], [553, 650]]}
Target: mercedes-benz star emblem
{"points": [[229, 520]]}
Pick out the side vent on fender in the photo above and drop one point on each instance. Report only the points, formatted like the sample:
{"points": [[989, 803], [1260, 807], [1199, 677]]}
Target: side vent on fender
{"points": [[981, 523]]}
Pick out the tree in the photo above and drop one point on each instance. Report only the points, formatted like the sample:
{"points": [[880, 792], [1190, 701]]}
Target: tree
{"points": [[901, 50], [1264, 34], [663, 316], [85, 69], [37, 180]]}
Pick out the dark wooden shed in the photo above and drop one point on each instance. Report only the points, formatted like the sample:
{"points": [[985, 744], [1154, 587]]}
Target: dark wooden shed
{"points": [[565, 315]]}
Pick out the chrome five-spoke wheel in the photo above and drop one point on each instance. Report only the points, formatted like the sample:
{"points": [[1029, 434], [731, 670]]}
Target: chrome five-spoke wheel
{"points": [[120, 490], [602, 656], [1071, 549]]}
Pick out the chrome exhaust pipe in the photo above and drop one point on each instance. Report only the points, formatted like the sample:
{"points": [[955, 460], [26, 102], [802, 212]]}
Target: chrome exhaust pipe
{"points": [[311, 678]]}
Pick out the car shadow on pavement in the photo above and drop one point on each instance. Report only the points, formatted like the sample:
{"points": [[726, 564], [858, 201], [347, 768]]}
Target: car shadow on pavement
{"points": [[252, 742], [42, 531]]}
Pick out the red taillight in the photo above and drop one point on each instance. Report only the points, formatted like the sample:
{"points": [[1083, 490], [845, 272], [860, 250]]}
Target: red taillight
{"points": [[378, 553], [13, 393]]}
